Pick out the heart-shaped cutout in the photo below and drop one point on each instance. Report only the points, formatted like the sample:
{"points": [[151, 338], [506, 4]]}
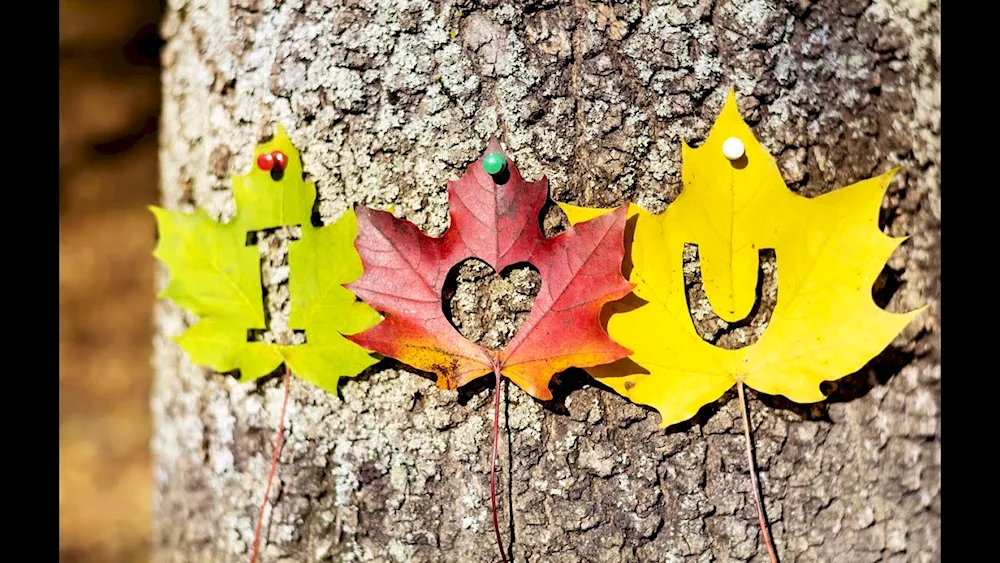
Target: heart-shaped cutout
{"points": [[486, 307]]}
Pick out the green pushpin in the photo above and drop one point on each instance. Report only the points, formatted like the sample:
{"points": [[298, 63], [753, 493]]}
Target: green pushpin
{"points": [[494, 163]]}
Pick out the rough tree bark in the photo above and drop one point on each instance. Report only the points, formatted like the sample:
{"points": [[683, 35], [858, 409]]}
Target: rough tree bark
{"points": [[387, 101]]}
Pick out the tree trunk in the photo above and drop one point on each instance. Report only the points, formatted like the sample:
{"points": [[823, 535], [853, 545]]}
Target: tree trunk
{"points": [[386, 104]]}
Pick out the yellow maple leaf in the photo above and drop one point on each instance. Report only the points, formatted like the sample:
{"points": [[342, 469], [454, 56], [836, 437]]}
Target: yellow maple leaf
{"points": [[829, 251]]}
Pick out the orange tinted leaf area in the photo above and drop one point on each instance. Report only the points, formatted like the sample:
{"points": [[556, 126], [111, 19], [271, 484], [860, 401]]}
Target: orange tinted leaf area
{"points": [[495, 218]]}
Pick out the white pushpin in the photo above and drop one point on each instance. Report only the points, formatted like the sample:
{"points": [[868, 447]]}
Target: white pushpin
{"points": [[733, 148]]}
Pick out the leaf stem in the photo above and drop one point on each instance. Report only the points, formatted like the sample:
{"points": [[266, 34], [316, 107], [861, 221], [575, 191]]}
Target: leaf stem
{"points": [[493, 462], [274, 465], [761, 519]]}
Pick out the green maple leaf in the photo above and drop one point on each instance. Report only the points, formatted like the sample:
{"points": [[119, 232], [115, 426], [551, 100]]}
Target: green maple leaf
{"points": [[216, 276]]}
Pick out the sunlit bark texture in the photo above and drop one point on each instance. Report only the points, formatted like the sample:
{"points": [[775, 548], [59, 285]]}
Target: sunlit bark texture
{"points": [[389, 100]]}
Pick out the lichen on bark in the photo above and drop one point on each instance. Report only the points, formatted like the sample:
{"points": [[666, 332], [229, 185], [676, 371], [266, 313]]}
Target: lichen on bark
{"points": [[389, 100]]}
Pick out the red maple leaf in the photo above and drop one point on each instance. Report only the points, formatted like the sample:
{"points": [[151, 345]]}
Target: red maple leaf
{"points": [[494, 219]]}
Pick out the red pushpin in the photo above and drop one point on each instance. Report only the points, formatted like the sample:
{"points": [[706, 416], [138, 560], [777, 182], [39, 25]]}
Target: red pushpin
{"points": [[280, 160], [266, 161]]}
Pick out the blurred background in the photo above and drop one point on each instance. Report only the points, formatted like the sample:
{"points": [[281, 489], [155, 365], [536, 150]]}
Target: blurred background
{"points": [[109, 100]]}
